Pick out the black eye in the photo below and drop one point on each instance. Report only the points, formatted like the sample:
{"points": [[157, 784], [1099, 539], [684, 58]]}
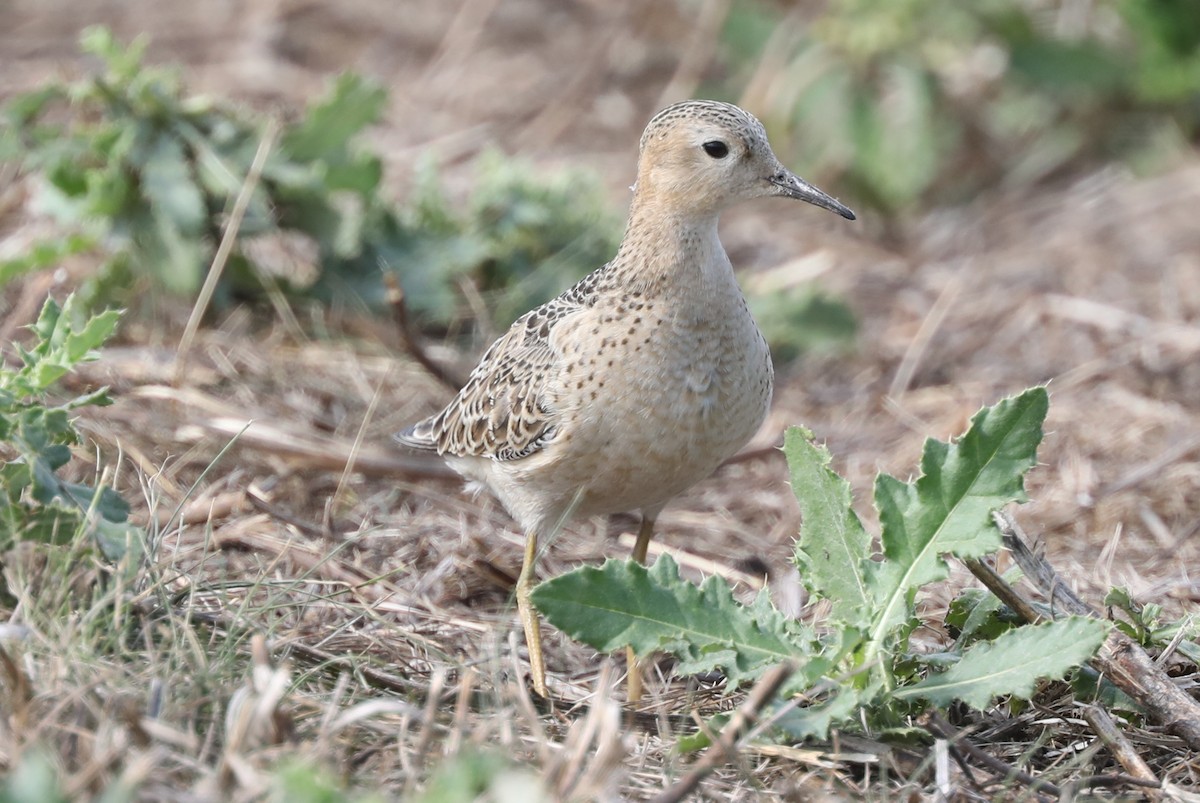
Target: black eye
{"points": [[716, 149]]}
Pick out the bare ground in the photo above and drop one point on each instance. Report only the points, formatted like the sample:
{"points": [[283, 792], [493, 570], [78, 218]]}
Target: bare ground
{"points": [[388, 571]]}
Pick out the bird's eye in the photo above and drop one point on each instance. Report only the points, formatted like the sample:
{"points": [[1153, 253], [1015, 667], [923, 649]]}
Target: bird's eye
{"points": [[716, 149]]}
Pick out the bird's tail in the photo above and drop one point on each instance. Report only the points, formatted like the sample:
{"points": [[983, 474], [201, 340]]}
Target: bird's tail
{"points": [[418, 436]]}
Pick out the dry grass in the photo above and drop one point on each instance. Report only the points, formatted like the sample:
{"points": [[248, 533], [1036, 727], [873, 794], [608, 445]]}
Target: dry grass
{"points": [[313, 596]]}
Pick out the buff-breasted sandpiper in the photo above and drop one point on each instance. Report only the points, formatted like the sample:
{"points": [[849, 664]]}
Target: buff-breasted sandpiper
{"points": [[645, 376]]}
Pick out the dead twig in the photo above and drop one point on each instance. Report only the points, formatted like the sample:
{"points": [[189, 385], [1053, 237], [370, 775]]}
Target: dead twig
{"points": [[225, 248], [412, 340], [942, 729], [726, 746], [1119, 659], [1121, 748]]}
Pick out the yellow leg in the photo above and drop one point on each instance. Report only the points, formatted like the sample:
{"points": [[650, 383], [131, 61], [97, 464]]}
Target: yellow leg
{"points": [[633, 680], [642, 545], [529, 617]]}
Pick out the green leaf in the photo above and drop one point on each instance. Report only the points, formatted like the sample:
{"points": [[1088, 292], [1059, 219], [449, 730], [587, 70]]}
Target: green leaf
{"points": [[34, 779], [178, 260], [833, 547], [814, 721], [122, 62], [472, 774], [1013, 663], [118, 539], [353, 104], [898, 153], [80, 343], [948, 509], [977, 614], [47, 524], [42, 255], [26, 107], [1068, 68], [170, 187], [360, 174], [622, 603], [801, 319]]}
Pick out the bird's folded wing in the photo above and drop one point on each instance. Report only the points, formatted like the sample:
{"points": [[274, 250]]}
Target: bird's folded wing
{"points": [[502, 412]]}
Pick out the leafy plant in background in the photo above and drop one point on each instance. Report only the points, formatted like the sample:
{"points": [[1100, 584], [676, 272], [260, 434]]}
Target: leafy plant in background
{"points": [[925, 101], [36, 503], [521, 239], [799, 320], [865, 666], [130, 162]]}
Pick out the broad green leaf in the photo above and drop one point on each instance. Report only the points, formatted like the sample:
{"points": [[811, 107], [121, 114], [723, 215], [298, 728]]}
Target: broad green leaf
{"points": [[26, 107], [694, 742], [1013, 663], [823, 113], [1067, 68], [45, 524], [833, 547], [34, 779], [947, 510], [109, 191], [623, 603], [122, 62], [46, 374]]}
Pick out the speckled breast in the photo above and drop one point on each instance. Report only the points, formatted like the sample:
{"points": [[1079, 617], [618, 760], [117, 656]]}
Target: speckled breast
{"points": [[660, 412]]}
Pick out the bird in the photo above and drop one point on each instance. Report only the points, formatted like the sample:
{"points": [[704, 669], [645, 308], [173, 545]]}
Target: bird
{"points": [[641, 379]]}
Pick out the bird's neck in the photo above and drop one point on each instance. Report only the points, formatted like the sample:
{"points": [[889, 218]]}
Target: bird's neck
{"points": [[664, 246]]}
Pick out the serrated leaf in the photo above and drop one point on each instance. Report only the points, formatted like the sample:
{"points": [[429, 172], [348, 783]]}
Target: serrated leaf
{"points": [[1013, 663], [947, 510], [833, 546], [623, 603], [81, 343]]}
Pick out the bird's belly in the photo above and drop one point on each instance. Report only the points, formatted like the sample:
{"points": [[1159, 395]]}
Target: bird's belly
{"points": [[659, 426]]}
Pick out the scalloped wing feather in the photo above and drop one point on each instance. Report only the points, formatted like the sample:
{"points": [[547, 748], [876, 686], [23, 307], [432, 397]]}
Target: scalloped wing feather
{"points": [[502, 413]]}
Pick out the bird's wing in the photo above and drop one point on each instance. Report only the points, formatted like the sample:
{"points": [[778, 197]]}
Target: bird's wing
{"points": [[502, 411]]}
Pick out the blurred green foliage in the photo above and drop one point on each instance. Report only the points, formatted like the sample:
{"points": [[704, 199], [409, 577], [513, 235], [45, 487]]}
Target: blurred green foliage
{"points": [[36, 503], [133, 164], [916, 102], [803, 319], [31, 778], [521, 238]]}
